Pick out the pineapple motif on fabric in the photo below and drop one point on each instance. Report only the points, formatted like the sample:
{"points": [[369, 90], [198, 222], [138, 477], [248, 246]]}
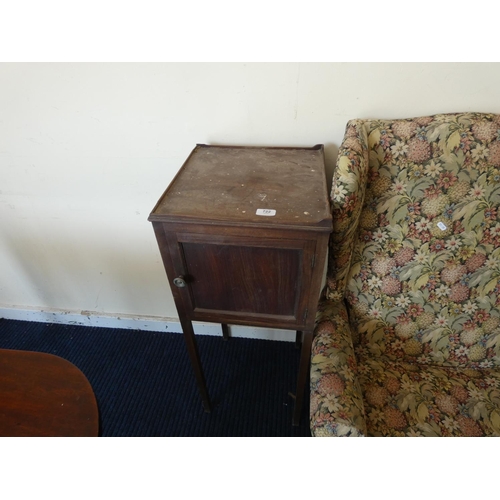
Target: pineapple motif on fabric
{"points": [[415, 253], [428, 268]]}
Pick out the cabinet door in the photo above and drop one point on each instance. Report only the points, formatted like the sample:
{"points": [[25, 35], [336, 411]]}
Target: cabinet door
{"points": [[244, 280]]}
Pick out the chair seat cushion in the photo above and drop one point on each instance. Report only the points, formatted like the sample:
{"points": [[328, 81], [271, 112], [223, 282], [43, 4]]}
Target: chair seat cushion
{"points": [[408, 399]]}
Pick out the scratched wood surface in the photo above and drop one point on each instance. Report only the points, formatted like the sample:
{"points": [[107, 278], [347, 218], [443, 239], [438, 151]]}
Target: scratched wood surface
{"points": [[229, 184]]}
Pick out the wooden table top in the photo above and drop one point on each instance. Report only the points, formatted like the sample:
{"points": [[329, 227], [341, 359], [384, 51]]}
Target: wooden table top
{"points": [[230, 184], [44, 395]]}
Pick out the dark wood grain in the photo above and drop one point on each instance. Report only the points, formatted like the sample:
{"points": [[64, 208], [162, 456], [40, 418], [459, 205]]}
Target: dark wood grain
{"points": [[245, 279], [237, 267], [44, 395], [218, 290]]}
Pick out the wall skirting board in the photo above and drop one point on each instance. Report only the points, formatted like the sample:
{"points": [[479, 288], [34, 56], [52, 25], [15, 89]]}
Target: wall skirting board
{"points": [[132, 322]]}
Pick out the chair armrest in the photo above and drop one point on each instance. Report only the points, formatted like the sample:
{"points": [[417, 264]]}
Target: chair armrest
{"points": [[336, 400]]}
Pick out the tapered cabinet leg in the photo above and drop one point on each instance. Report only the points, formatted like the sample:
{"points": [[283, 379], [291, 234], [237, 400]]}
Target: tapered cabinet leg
{"points": [[305, 359], [225, 332], [194, 355], [298, 339]]}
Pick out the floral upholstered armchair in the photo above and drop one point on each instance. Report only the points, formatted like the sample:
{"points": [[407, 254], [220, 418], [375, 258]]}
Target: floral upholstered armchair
{"points": [[408, 334]]}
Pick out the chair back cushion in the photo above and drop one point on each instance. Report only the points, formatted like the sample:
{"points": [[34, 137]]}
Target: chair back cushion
{"points": [[416, 242]]}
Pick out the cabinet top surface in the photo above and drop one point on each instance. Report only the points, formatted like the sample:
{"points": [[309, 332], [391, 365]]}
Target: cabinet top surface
{"points": [[249, 185]]}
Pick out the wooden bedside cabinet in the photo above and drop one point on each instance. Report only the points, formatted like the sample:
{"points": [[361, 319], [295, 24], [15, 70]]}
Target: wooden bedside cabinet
{"points": [[243, 234]]}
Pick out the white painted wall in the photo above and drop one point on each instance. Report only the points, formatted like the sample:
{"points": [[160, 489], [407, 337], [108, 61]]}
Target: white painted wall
{"points": [[87, 149]]}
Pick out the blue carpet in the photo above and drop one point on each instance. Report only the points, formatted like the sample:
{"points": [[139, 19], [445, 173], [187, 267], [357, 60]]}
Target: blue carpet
{"points": [[145, 386]]}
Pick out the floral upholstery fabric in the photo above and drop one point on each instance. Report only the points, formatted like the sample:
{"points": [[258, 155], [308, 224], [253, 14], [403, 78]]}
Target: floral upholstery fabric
{"points": [[406, 399], [348, 188], [415, 254], [336, 398]]}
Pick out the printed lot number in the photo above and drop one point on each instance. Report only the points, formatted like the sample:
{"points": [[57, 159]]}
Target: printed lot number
{"points": [[266, 212]]}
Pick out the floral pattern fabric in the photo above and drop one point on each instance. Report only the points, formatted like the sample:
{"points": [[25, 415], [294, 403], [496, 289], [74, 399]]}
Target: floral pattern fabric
{"points": [[416, 254], [405, 399], [336, 400], [348, 189]]}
